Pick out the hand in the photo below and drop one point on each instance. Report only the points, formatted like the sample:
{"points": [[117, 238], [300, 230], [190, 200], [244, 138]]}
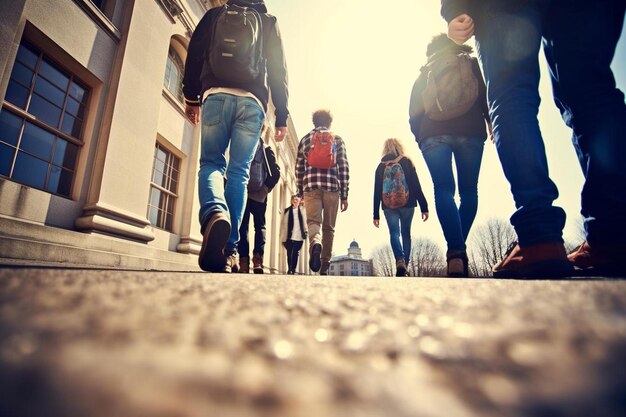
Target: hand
{"points": [[344, 205], [376, 222], [461, 28], [425, 216], [192, 113], [280, 134]]}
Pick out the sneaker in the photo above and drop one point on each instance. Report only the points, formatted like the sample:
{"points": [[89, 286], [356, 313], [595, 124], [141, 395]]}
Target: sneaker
{"points": [[232, 263], [315, 263], [291, 272], [244, 265], [257, 262], [214, 236], [325, 268], [401, 268], [543, 260], [598, 260], [457, 264]]}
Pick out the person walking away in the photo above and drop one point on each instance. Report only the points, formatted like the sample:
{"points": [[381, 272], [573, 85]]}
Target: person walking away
{"points": [[264, 175], [397, 189], [235, 51], [322, 177], [579, 40], [293, 231], [448, 113]]}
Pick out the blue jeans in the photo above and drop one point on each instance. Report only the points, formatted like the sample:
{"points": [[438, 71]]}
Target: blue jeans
{"points": [[579, 39], [399, 223], [456, 222], [257, 210], [227, 119]]}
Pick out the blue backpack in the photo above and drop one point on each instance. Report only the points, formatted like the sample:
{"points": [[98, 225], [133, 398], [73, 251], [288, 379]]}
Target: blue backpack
{"points": [[395, 187]]}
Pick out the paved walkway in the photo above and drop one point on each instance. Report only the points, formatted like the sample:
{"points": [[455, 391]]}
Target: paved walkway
{"points": [[78, 343]]}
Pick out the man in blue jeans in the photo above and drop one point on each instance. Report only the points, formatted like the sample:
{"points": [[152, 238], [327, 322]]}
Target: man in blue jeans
{"points": [[579, 39], [234, 99]]}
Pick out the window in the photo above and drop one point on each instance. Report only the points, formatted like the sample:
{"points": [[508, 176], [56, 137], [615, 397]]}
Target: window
{"points": [[163, 188], [41, 123], [174, 71], [99, 3]]}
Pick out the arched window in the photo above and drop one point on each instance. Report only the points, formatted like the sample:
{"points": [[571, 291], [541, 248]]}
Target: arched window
{"points": [[174, 71]]}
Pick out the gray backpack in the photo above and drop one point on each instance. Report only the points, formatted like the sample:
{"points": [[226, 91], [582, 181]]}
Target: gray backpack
{"points": [[451, 86]]}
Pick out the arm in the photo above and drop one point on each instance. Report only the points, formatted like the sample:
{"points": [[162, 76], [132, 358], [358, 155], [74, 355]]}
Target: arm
{"points": [[482, 97], [300, 168], [378, 189], [343, 172], [419, 194], [277, 73], [416, 105], [192, 85]]}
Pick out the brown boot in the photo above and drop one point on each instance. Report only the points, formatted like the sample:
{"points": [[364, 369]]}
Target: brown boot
{"points": [[401, 268], [232, 263], [257, 264], [543, 260], [598, 260], [325, 267], [457, 264], [244, 265]]}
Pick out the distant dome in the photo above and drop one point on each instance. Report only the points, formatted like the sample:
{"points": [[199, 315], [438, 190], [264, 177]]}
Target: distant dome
{"points": [[354, 245]]}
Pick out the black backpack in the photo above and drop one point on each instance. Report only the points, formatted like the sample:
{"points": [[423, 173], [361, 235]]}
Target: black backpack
{"points": [[236, 50], [259, 169]]}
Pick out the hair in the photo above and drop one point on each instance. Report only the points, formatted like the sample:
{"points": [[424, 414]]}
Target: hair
{"points": [[441, 41], [393, 146], [294, 196], [322, 118]]}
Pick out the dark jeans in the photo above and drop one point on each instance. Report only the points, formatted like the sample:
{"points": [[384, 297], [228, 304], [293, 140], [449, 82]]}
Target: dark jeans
{"points": [[258, 212], [293, 252], [579, 39], [456, 222]]}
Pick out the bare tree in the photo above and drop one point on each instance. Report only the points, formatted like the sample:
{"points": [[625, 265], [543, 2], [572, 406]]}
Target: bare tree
{"points": [[427, 259], [383, 261], [488, 245]]}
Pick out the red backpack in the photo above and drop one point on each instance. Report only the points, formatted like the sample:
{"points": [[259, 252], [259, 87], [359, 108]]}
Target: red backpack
{"points": [[322, 152]]}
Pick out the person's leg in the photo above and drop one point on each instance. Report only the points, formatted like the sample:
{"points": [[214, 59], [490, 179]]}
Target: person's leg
{"points": [[392, 216], [243, 247], [468, 153], [331, 207], [217, 113], [289, 247], [579, 43], [437, 152], [247, 122], [406, 218], [258, 212], [297, 245], [314, 207], [214, 215], [508, 45]]}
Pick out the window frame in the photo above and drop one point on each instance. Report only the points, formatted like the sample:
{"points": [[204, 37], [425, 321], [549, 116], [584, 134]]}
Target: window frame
{"points": [[176, 61], [26, 117], [173, 196]]}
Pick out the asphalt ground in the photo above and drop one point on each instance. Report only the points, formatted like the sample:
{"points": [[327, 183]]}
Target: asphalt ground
{"points": [[98, 343]]}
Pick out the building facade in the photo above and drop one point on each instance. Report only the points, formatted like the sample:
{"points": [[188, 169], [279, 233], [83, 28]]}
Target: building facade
{"points": [[98, 163], [351, 264]]}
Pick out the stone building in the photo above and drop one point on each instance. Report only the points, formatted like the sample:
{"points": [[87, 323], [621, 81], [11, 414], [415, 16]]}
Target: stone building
{"points": [[351, 264], [98, 163]]}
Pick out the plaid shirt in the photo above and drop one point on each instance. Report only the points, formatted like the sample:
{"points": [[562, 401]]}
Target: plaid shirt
{"points": [[334, 179]]}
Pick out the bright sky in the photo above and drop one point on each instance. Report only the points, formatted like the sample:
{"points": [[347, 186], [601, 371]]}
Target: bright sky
{"points": [[360, 58]]}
